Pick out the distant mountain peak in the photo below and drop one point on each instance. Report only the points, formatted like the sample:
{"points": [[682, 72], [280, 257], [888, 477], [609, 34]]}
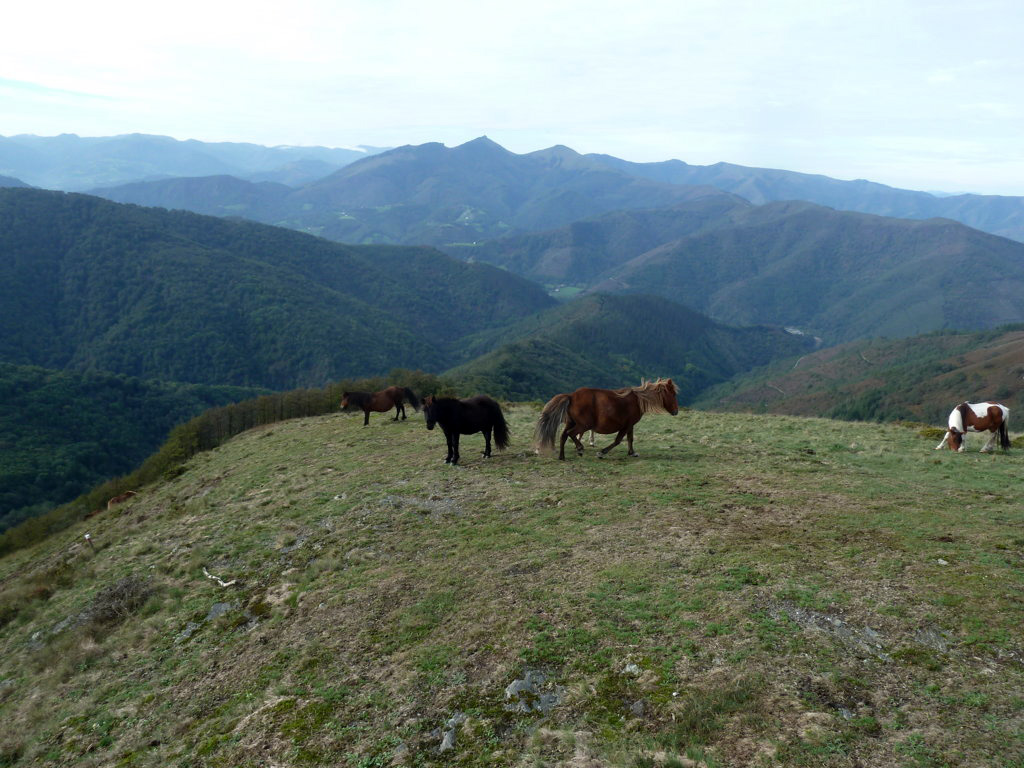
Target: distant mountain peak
{"points": [[481, 144]]}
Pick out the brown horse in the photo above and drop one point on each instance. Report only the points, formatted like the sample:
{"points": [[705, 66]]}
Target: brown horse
{"points": [[605, 411], [381, 402], [977, 417]]}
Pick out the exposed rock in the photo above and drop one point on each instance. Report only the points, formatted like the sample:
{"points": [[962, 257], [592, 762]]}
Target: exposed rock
{"points": [[860, 640], [527, 694], [448, 734], [187, 632], [218, 609]]}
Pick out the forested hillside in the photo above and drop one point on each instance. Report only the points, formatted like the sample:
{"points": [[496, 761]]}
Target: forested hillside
{"points": [[837, 275], [614, 341], [579, 254], [85, 283], [63, 432], [919, 378]]}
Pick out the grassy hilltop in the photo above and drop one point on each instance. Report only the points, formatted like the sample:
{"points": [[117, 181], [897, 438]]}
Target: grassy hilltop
{"points": [[753, 590]]}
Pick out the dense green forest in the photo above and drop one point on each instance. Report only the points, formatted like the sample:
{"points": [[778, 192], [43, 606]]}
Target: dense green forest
{"points": [[89, 284], [63, 432]]}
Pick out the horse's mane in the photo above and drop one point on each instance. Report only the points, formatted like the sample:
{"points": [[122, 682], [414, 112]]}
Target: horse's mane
{"points": [[649, 395], [358, 398]]}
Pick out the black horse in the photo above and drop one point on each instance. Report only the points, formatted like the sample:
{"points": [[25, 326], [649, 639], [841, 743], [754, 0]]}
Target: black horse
{"points": [[465, 417]]}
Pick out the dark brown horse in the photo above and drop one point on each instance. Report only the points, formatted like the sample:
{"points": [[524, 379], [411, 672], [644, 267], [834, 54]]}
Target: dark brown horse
{"points": [[977, 417], [605, 411], [381, 402]]}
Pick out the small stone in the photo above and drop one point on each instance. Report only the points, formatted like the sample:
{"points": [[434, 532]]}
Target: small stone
{"points": [[217, 610]]}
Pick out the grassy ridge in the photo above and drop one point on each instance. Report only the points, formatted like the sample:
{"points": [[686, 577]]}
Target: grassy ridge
{"points": [[754, 590]]}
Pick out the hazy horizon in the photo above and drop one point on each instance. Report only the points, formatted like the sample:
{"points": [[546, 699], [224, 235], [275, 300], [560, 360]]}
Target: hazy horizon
{"points": [[913, 94]]}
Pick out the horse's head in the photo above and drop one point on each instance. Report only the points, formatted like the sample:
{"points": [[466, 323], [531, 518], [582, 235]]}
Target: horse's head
{"points": [[344, 400], [429, 405], [956, 440], [668, 394]]}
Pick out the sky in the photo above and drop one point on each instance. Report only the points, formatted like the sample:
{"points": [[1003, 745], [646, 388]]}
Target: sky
{"points": [[915, 94]]}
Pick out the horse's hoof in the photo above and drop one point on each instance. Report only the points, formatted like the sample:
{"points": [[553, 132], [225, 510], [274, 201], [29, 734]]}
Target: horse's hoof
{"points": [[634, 455], [601, 454]]}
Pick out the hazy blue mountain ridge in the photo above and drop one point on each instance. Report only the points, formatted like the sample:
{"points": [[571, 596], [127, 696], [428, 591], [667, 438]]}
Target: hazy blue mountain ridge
{"points": [[76, 163], [996, 214]]}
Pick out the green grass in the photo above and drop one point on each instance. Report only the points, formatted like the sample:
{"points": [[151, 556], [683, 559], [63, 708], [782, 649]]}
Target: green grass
{"points": [[753, 590]]}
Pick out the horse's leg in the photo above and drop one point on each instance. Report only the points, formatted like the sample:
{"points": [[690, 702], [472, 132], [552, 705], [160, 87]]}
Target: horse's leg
{"points": [[402, 406], [366, 417], [455, 446], [592, 441], [629, 439], [945, 439], [991, 442], [618, 439], [576, 435], [448, 440], [487, 439], [561, 447]]}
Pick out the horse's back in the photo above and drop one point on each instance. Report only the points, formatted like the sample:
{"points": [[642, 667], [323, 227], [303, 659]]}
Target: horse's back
{"points": [[604, 410]]}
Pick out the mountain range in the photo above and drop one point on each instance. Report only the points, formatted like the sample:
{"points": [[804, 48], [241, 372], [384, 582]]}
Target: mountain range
{"points": [[90, 284], [431, 194], [76, 163], [834, 274]]}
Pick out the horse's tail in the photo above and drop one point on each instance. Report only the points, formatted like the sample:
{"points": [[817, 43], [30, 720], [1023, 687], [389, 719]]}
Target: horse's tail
{"points": [[550, 420], [1004, 431], [411, 397], [500, 427]]}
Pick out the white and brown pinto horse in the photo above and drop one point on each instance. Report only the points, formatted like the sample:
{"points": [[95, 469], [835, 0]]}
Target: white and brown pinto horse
{"points": [[977, 417]]}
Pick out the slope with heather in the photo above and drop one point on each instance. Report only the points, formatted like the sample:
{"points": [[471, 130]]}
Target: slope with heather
{"points": [[919, 378]]}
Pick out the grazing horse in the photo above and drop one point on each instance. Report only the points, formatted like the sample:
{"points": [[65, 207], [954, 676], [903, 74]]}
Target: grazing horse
{"points": [[466, 417], [605, 411], [977, 417], [383, 401]]}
